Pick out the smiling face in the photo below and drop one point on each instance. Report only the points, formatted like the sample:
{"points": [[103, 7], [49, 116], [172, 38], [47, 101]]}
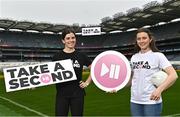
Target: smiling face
{"points": [[143, 41], [69, 41]]}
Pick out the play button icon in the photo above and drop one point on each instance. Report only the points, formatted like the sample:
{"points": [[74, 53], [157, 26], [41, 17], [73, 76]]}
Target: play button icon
{"points": [[110, 70], [104, 69]]}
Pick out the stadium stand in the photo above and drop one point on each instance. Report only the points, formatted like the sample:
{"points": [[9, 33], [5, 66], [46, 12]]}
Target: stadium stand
{"points": [[24, 45], [94, 41]]}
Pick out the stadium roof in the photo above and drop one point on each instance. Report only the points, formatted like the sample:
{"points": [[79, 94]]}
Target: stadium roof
{"points": [[151, 14]]}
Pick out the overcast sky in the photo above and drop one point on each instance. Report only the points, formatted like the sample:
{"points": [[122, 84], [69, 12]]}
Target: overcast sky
{"points": [[66, 11]]}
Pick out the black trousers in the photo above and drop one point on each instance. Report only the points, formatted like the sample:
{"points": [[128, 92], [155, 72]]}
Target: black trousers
{"points": [[74, 104]]}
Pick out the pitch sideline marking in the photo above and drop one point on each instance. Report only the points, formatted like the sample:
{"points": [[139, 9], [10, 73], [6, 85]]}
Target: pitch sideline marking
{"points": [[174, 114], [22, 106]]}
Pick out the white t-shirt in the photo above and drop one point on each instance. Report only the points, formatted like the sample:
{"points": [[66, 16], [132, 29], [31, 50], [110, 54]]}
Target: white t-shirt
{"points": [[144, 65]]}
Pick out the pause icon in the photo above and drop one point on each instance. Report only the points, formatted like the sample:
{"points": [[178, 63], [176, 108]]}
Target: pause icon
{"points": [[113, 71]]}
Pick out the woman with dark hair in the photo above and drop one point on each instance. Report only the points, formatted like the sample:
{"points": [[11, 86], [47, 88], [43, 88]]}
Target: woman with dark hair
{"points": [[145, 97], [70, 95]]}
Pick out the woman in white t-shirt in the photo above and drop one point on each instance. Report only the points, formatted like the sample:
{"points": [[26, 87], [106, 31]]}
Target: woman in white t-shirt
{"points": [[145, 97]]}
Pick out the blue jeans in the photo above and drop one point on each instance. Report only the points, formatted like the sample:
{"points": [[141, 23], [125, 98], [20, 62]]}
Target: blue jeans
{"points": [[146, 109]]}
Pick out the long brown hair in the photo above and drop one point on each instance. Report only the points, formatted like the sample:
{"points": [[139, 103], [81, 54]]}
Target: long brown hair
{"points": [[152, 44]]}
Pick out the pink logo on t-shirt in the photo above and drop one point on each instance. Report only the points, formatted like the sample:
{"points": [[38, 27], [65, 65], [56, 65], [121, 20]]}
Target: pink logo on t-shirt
{"points": [[110, 70]]}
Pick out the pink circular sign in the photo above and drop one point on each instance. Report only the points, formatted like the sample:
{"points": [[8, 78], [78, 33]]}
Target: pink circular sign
{"points": [[110, 70]]}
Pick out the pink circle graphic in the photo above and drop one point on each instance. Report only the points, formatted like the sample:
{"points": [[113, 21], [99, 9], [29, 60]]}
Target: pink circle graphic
{"points": [[110, 70], [45, 78]]}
